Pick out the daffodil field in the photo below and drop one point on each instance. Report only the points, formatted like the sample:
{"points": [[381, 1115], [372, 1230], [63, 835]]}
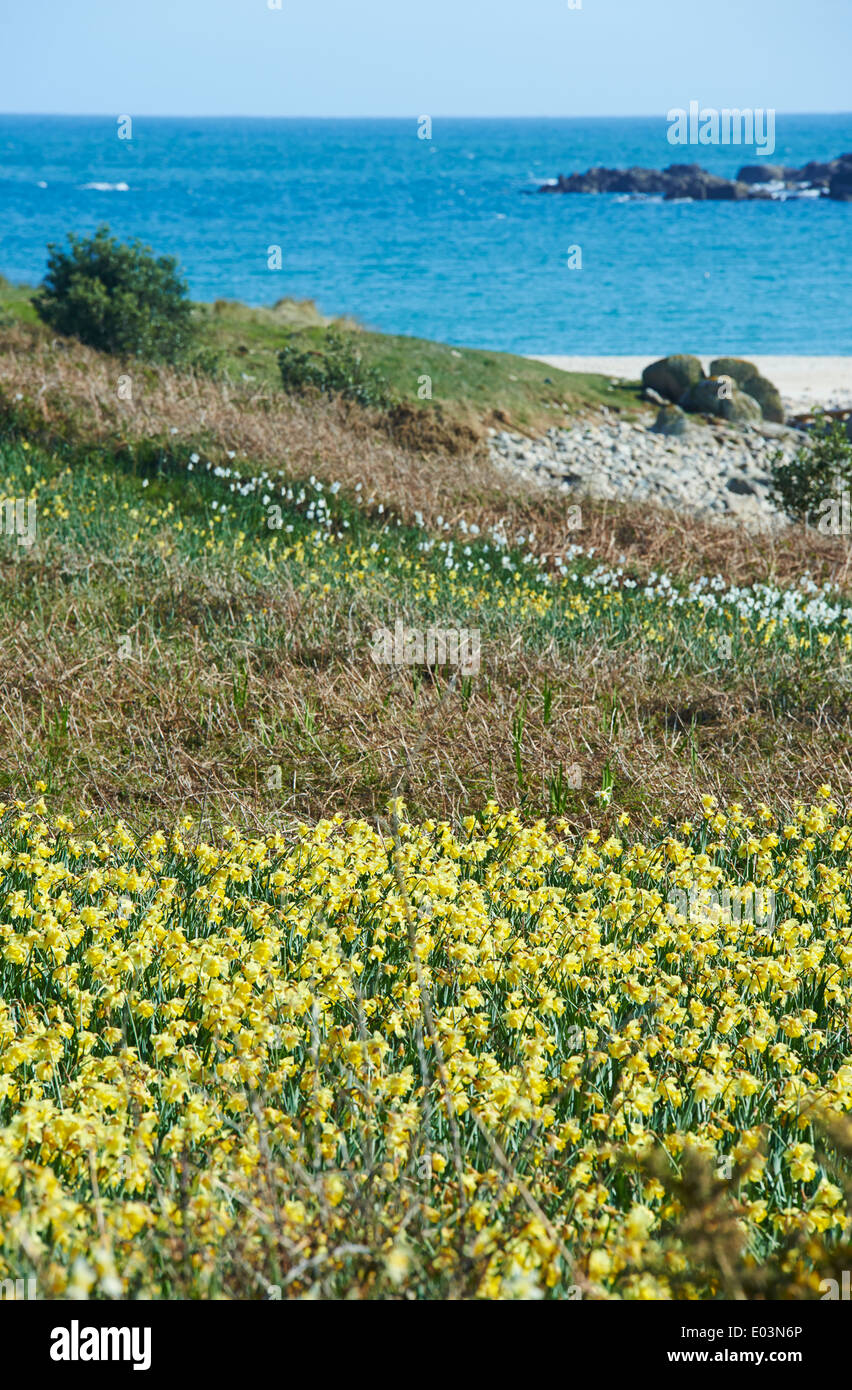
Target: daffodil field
{"points": [[325, 980], [486, 1060]]}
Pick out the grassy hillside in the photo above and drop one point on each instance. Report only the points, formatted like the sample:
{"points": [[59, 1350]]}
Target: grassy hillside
{"points": [[250, 629], [323, 977], [474, 387], [470, 387]]}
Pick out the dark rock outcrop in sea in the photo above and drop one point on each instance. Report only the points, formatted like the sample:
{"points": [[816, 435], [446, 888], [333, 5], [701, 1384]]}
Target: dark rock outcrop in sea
{"points": [[831, 179]]}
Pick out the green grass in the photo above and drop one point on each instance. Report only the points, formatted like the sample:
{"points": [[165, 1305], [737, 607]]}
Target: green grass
{"points": [[16, 303], [112, 507], [471, 387], [248, 648]]}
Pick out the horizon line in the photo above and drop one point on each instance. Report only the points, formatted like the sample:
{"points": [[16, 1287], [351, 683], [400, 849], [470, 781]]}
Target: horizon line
{"points": [[406, 116]]}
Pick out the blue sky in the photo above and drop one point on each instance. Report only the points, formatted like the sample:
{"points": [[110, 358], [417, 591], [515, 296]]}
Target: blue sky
{"points": [[437, 57]]}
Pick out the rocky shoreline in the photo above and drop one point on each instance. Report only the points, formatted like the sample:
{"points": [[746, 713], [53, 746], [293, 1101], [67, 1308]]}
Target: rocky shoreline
{"points": [[709, 451], [709, 470], [773, 182]]}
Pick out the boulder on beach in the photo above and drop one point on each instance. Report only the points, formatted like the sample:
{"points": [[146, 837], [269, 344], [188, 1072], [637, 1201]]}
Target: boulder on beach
{"points": [[737, 367], [767, 396], [670, 420], [749, 379], [671, 376], [718, 395]]}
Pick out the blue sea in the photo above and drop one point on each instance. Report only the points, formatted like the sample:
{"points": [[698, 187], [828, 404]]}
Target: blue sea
{"points": [[439, 238]]}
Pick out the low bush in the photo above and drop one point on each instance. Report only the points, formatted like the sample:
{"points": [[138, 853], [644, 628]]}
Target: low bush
{"points": [[334, 370], [117, 297], [818, 473]]}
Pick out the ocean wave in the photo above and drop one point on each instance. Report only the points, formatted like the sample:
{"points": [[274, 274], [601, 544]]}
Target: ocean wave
{"points": [[108, 187]]}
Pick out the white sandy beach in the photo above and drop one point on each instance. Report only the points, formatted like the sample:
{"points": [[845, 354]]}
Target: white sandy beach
{"points": [[804, 382]]}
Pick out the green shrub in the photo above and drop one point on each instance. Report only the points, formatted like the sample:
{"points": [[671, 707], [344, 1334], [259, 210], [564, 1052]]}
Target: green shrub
{"points": [[334, 370], [819, 471], [116, 297]]}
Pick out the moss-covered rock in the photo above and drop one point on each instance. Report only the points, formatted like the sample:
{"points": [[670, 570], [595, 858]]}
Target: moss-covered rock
{"points": [[671, 376], [760, 388], [736, 367], [718, 395], [767, 396], [670, 420]]}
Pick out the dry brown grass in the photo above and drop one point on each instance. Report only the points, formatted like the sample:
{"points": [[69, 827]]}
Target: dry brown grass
{"points": [[318, 728], [74, 390], [171, 728]]}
